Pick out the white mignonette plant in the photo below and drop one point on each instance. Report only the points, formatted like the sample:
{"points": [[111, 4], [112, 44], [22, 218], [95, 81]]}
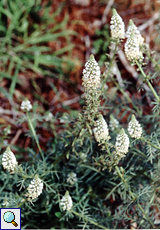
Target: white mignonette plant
{"points": [[72, 178], [117, 27], [101, 132], [9, 161], [132, 49], [66, 202], [34, 189], [26, 105], [132, 28], [122, 144], [134, 128]]}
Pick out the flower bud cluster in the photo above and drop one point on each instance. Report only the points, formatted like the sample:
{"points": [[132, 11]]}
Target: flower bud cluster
{"points": [[72, 178], [122, 144], [26, 105], [7, 130], [34, 189], [117, 26], [101, 132], [9, 161], [134, 128], [66, 202]]}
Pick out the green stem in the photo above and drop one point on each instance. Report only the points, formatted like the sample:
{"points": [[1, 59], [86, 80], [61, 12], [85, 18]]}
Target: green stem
{"points": [[148, 82], [34, 134], [134, 197], [120, 174], [155, 63], [23, 202], [88, 220], [128, 98], [110, 64]]}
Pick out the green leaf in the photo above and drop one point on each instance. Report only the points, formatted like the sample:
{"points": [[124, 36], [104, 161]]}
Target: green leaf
{"points": [[58, 214]]}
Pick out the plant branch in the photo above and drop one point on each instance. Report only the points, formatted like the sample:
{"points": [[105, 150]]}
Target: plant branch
{"points": [[34, 134], [88, 220], [148, 82], [134, 197]]}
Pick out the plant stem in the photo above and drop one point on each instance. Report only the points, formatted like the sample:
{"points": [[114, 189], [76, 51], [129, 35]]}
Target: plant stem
{"points": [[134, 197], [148, 82], [110, 64], [88, 220], [34, 134], [128, 98]]}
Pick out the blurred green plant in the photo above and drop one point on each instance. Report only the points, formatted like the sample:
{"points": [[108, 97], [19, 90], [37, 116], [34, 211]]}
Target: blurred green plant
{"points": [[26, 27], [101, 44]]}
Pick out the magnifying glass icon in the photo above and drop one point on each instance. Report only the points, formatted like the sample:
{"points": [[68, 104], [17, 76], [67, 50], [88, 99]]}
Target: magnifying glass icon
{"points": [[9, 217]]}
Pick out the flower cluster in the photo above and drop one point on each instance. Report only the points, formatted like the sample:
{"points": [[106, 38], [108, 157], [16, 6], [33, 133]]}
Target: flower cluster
{"points": [[114, 123], [117, 26], [49, 116], [132, 29], [9, 161], [72, 178], [122, 144], [83, 156], [7, 130], [91, 75], [34, 189], [5, 202], [101, 132], [66, 202], [134, 38], [91, 82], [134, 128], [132, 49], [26, 105]]}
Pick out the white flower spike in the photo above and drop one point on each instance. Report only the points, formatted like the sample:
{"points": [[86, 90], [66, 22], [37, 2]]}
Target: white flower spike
{"points": [[9, 161], [132, 50], [66, 202], [26, 105], [101, 132], [117, 26], [122, 144], [132, 28], [134, 128], [34, 189], [91, 75]]}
